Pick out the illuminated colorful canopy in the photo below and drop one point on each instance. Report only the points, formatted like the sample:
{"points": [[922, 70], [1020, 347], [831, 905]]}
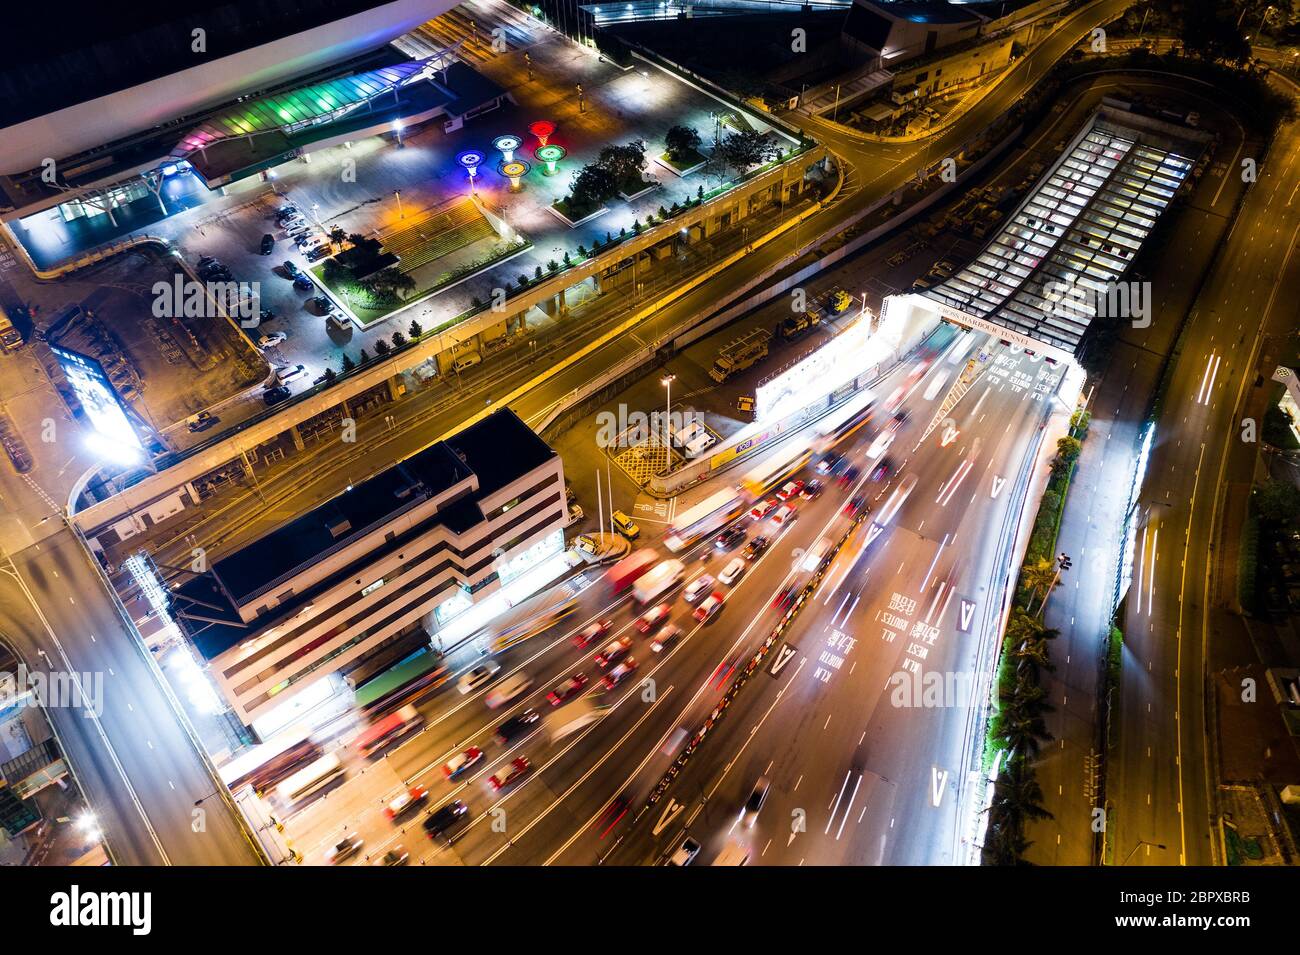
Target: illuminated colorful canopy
{"points": [[507, 145], [550, 155], [542, 129], [514, 170], [297, 109], [470, 159]]}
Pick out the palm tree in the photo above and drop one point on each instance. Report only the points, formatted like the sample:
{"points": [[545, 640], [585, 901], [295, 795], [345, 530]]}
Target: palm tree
{"points": [[1037, 576]]}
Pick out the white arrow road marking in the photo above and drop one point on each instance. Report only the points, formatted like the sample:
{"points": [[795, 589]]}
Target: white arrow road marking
{"points": [[874, 531], [998, 481], [938, 783], [671, 812], [967, 613], [783, 656]]}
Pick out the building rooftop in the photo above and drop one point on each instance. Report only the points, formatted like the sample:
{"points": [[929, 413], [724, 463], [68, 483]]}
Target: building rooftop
{"points": [[102, 48], [495, 451]]}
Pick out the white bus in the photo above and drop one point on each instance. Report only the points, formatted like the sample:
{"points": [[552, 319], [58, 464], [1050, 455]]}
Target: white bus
{"points": [[703, 519], [310, 780], [775, 470]]}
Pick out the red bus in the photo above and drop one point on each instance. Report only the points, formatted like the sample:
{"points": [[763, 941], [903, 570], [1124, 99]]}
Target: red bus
{"points": [[623, 574], [390, 728]]}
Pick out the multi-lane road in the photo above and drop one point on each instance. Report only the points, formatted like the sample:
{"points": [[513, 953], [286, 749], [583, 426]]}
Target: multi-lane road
{"points": [[922, 592], [145, 798]]}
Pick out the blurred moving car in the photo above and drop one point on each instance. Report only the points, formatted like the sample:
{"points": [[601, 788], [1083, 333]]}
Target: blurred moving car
{"points": [[697, 588], [757, 796], [653, 617], [406, 801], [614, 651], [473, 679], [568, 689], [518, 727], [345, 848], [709, 606], [438, 822], [593, 631], [507, 775], [616, 676], [394, 856], [461, 762], [686, 852]]}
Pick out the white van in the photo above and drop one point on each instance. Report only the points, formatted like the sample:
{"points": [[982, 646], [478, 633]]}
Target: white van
{"points": [[508, 689], [467, 361], [699, 444], [315, 242], [287, 374], [337, 321], [689, 433]]}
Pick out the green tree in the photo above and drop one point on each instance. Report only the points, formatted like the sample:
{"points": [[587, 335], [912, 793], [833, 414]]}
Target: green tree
{"points": [[1278, 502], [330, 375], [398, 339], [415, 329], [382, 348], [682, 142], [363, 356], [348, 364], [592, 186]]}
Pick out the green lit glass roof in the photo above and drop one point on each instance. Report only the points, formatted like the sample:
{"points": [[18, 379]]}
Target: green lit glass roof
{"points": [[319, 103]]}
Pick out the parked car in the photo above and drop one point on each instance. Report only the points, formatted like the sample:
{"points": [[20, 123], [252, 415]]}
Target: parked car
{"points": [[290, 269], [438, 822], [273, 396], [268, 244], [303, 282], [271, 340], [202, 422]]}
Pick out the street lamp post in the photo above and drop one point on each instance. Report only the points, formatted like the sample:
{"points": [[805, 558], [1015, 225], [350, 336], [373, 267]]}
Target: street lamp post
{"points": [[1063, 562], [667, 382], [1140, 844], [397, 194]]}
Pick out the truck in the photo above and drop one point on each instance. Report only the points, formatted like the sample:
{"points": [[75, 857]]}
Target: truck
{"points": [[740, 354], [661, 578], [798, 324], [568, 720], [623, 574], [11, 339], [839, 301]]}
